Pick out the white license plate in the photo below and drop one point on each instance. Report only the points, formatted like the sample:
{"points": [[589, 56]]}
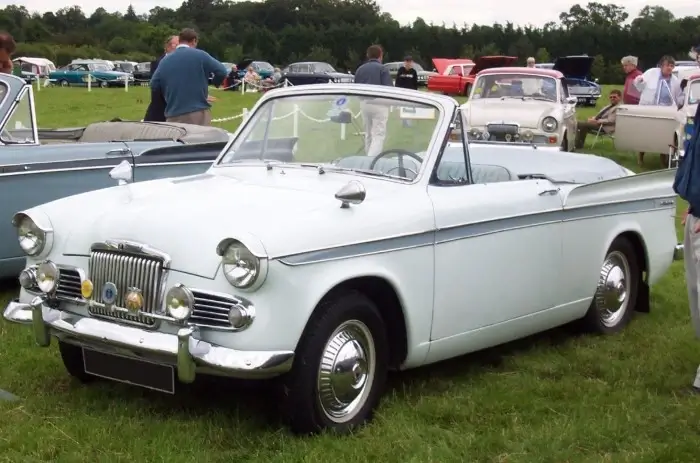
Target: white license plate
{"points": [[582, 100]]}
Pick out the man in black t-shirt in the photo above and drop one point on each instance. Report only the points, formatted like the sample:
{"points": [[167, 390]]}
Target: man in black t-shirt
{"points": [[407, 77]]}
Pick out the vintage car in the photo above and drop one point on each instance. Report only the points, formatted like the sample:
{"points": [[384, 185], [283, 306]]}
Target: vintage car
{"points": [[39, 165], [576, 70], [521, 105], [423, 75], [79, 72], [660, 129], [458, 78], [262, 68], [125, 66], [299, 255], [142, 72], [314, 72]]}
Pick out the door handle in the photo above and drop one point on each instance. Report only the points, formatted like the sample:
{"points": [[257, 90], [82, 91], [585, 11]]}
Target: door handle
{"points": [[119, 152], [549, 192]]}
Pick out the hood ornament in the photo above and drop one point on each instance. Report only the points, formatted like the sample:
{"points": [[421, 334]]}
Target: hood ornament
{"points": [[352, 193]]}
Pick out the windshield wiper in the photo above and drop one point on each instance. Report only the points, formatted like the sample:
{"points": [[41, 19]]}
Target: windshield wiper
{"points": [[372, 173]]}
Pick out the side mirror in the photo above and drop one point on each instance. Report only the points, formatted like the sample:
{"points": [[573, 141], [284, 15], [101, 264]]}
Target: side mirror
{"points": [[123, 173], [571, 100]]}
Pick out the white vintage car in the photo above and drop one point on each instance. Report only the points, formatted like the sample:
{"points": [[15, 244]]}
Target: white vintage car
{"points": [[521, 105], [660, 129], [297, 255]]}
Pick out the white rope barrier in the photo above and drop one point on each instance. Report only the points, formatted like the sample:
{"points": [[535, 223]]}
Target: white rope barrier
{"points": [[296, 112]]}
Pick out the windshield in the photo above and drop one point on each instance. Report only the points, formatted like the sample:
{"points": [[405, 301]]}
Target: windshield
{"points": [[350, 131], [263, 66], [126, 67], [515, 86], [694, 92], [99, 67], [19, 126], [323, 67]]}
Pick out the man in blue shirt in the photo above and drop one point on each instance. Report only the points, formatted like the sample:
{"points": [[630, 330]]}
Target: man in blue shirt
{"points": [[183, 79], [375, 114], [687, 185]]}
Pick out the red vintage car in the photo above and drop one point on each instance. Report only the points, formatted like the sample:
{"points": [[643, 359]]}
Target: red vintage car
{"points": [[457, 75]]}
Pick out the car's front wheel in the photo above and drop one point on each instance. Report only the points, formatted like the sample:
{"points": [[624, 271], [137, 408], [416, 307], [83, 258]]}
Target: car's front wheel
{"points": [[72, 357], [616, 293], [340, 367]]}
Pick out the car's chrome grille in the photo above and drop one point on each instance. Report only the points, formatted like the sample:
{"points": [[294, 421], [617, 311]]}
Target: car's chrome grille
{"points": [[211, 310], [69, 281], [127, 270]]}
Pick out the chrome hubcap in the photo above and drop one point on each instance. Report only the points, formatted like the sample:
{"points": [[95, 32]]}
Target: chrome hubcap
{"points": [[346, 372], [612, 295]]}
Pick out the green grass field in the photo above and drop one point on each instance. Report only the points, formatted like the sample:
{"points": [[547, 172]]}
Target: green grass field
{"points": [[557, 397]]}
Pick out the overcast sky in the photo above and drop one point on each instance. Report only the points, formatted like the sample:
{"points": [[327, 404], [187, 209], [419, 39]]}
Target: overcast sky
{"points": [[406, 11]]}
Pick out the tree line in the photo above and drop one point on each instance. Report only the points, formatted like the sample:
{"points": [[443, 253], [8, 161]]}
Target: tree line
{"points": [[339, 31]]}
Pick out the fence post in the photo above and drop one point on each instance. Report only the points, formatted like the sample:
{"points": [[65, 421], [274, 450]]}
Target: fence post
{"points": [[243, 87], [126, 84], [245, 114], [38, 83], [295, 127], [89, 82]]}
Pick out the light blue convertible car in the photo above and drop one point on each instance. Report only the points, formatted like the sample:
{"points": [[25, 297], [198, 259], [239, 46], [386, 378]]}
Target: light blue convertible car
{"points": [[38, 166], [78, 73]]}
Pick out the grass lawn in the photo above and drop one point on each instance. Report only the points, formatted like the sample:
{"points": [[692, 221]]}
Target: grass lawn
{"points": [[557, 397]]}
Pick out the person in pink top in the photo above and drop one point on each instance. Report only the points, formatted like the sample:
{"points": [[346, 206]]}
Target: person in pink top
{"points": [[630, 94]]}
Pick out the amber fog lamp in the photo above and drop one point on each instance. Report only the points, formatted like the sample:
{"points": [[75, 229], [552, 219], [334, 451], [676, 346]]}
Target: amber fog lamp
{"points": [[86, 289]]}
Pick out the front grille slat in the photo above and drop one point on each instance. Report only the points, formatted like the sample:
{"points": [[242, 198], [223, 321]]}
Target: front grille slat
{"points": [[127, 271], [68, 287], [211, 310]]}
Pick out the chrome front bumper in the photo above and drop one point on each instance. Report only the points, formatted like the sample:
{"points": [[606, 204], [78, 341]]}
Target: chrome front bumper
{"points": [[183, 349], [678, 252]]}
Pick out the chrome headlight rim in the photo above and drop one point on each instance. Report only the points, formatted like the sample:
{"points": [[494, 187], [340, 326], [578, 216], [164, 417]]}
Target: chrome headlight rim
{"points": [[41, 226], [554, 125], [47, 276], [259, 261], [184, 296]]}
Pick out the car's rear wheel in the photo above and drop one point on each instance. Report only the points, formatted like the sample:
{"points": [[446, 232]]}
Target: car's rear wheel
{"points": [[63, 83], [104, 84], [72, 357], [616, 293], [340, 367]]}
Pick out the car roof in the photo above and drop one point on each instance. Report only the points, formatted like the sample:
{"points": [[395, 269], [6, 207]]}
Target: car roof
{"points": [[522, 70]]}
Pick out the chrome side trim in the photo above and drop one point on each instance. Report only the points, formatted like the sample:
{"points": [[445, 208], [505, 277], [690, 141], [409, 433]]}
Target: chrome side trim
{"points": [[105, 167], [474, 229]]}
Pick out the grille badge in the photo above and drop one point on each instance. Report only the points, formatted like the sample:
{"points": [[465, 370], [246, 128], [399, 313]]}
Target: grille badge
{"points": [[109, 293]]}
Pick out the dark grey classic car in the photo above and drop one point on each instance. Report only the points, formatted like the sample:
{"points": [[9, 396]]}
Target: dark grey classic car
{"points": [[314, 72], [38, 166], [423, 75]]}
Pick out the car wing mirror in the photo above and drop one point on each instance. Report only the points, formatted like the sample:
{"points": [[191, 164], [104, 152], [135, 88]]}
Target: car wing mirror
{"points": [[571, 100]]}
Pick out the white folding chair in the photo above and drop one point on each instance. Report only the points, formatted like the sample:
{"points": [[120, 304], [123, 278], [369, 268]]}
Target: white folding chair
{"points": [[602, 133]]}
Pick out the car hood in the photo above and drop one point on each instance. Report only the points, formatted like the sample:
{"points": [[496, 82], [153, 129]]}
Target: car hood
{"points": [[488, 62], [574, 66], [442, 63], [278, 212], [527, 113]]}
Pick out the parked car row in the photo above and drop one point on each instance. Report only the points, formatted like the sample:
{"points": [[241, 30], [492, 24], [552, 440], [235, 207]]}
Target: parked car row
{"points": [[116, 278]]}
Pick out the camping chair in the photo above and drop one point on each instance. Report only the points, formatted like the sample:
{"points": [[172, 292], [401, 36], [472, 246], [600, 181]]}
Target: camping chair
{"points": [[602, 133]]}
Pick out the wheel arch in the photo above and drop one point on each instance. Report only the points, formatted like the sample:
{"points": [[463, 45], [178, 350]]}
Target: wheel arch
{"points": [[385, 296], [641, 253]]}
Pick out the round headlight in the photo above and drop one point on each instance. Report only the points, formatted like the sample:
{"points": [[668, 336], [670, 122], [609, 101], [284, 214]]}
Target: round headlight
{"points": [[31, 238], [179, 302], [240, 266], [549, 124], [47, 277]]}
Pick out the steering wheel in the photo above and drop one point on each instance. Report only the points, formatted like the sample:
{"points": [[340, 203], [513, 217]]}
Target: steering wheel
{"points": [[400, 153]]}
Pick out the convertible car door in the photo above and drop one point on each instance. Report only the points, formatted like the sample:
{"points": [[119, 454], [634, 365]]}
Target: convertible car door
{"points": [[497, 247], [646, 128]]}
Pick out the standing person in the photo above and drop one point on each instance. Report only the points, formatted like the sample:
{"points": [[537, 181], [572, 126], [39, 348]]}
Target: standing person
{"points": [[374, 114], [7, 48], [531, 62], [658, 86], [156, 108], [687, 185], [630, 94], [183, 78], [406, 76]]}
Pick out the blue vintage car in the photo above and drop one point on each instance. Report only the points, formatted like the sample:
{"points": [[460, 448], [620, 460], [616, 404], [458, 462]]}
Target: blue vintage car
{"points": [[78, 73], [577, 70], [38, 166]]}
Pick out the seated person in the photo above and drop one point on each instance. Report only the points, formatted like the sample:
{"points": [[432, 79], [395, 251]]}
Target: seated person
{"points": [[232, 81], [273, 80], [251, 77], [604, 120]]}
